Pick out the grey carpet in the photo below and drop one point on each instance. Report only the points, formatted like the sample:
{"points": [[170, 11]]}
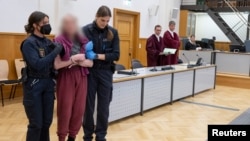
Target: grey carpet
{"points": [[209, 105], [244, 118]]}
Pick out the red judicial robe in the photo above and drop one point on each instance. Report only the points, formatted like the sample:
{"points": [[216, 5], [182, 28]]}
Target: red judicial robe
{"points": [[171, 42], [153, 48]]}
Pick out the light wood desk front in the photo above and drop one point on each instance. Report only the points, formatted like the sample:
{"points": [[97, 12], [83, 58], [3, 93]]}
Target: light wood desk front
{"points": [[138, 93]]}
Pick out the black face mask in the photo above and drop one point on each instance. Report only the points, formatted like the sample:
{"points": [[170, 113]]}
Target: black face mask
{"points": [[45, 29]]}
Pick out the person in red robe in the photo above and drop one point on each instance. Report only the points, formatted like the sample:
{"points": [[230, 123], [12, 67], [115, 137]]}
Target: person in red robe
{"points": [[171, 40], [154, 47]]}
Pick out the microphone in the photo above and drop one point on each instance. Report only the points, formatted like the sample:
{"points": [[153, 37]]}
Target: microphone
{"points": [[186, 58], [154, 69], [189, 65], [198, 55], [131, 62], [170, 65], [132, 72], [199, 61]]}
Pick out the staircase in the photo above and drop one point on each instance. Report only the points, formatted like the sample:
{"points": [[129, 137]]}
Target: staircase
{"points": [[235, 40], [213, 7]]}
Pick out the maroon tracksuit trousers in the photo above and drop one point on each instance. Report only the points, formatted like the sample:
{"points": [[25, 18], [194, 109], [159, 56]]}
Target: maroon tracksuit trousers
{"points": [[71, 101]]}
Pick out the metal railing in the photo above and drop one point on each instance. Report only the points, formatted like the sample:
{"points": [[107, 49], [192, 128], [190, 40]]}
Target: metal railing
{"points": [[188, 2], [217, 3], [238, 13], [241, 27], [223, 4]]}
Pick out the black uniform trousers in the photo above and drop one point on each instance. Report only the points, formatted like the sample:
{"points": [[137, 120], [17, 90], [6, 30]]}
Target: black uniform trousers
{"points": [[39, 105], [100, 84]]}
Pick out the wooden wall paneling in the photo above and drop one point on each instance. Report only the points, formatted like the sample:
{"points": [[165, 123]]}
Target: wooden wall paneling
{"points": [[236, 81], [141, 51], [181, 48], [183, 23], [142, 54], [224, 46], [10, 50]]}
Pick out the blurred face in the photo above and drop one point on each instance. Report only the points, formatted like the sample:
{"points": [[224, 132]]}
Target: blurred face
{"points": [[69, 25], [158, 31], [172, 27], [192, 38], [38, 26], [102, 22]]}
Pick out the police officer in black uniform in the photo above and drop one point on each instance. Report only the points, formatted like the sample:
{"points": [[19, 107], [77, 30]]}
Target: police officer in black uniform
{"points": [[106, 50], [39, 54]]}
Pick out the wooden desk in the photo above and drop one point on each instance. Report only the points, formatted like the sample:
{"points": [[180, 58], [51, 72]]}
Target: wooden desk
{"points": [[192, 56], [233, 63], [226, 62], [136, 94]]}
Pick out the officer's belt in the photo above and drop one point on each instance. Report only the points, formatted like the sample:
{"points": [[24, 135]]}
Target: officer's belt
{"points": [[103, 66], [39, 75]]}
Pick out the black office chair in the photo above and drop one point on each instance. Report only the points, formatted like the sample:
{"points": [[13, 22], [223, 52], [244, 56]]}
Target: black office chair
{"points": [[135, 60], [136, 64], [119, 67], [184, 42], [209, 43], [180, 61]]}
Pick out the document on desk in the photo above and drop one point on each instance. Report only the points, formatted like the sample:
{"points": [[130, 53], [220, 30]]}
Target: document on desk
{"points": [[167, 51]]}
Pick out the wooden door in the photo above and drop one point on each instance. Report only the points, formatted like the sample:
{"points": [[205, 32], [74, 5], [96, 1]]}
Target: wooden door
{"points": [[126, 22]]}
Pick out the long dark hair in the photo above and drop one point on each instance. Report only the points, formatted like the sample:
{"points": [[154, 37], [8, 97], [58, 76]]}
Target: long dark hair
{"points": [[34, 18], [104, 11]]}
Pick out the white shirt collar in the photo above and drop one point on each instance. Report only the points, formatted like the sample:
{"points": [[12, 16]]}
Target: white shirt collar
{"points": [[171, 32], [194, 43], [158, 37]]}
